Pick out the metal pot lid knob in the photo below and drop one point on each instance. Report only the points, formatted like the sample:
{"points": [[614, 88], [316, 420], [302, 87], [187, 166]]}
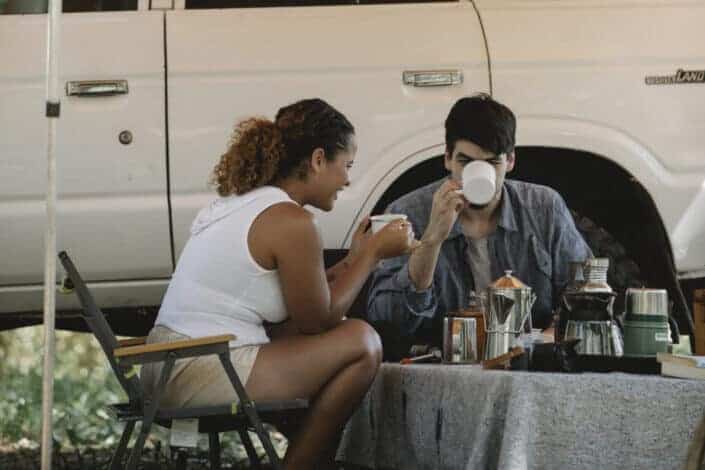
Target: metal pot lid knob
{"points": [[508, 282]]}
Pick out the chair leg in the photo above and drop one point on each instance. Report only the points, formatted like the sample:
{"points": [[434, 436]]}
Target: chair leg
{"points": [[249, 408], [150, 412], [214, 450], [268, 447], [138, 446], [251, 452], [116, 461]]}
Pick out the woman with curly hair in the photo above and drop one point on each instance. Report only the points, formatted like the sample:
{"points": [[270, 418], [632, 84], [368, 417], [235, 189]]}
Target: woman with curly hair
{"points": [[255, 255]]}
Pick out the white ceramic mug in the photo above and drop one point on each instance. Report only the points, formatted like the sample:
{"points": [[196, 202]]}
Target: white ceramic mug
{"points": [[379, 221], [479, 182]]}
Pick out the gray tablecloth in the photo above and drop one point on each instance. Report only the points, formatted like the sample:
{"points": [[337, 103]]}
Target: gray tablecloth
{"points": [[461, 417]]}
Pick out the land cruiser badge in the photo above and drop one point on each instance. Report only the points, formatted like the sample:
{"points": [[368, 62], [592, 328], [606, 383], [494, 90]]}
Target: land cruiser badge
{"points": [[681, 77]]}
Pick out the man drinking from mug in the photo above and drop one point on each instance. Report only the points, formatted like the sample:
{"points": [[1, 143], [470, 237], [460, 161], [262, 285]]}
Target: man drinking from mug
{"points": [[475, 225]]}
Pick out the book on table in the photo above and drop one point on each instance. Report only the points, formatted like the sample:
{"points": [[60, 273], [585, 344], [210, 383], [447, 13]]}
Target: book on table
{"points": [[676, 365]]}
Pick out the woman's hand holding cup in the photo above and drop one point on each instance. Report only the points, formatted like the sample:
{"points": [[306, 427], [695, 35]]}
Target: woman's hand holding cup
{"points": [[395, 238], [361, 237]]}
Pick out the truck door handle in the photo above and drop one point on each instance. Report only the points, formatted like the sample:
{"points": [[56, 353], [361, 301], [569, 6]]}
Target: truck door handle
{"points": [[424, 78], [96, 88]]}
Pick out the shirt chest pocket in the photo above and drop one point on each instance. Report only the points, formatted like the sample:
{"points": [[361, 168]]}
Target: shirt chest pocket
{"points": [[540, 258]]}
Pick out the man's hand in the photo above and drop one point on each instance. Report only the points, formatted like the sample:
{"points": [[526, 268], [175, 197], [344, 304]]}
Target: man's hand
{"points": [[447, 204]]}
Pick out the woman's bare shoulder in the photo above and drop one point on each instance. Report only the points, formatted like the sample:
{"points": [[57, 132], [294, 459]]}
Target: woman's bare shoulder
{"points": [[287, 220], [289, 211]]}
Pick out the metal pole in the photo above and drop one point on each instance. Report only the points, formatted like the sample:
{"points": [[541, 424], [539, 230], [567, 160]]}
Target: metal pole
{"points": [[53, 109]]}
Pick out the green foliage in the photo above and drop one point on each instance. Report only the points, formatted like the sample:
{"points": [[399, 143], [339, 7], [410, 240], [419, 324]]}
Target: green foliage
{"points": [[21, 395], [83, 385]]}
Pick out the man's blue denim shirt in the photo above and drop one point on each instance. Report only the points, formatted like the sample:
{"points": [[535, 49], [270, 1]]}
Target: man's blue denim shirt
{"points": [[535, 238]]}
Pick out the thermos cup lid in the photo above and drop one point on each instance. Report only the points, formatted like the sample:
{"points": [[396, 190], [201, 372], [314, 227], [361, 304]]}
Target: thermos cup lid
{"points": [[642, 301]]}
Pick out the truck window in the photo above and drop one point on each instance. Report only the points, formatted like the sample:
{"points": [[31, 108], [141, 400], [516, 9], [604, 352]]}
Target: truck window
{"points": [[202, 4], [28, 7]]}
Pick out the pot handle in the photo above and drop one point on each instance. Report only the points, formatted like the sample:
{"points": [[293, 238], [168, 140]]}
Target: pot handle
{"points": [[618, 321]]}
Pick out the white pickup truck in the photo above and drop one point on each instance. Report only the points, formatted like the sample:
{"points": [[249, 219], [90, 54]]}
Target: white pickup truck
{"points": [[609, 95]]}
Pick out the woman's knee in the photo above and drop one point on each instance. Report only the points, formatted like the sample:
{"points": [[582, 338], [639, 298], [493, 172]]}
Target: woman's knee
{"points": [[366, 339]]}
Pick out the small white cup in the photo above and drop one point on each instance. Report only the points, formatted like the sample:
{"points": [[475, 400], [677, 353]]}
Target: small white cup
{"points": [[479, 182], [379, 221]]}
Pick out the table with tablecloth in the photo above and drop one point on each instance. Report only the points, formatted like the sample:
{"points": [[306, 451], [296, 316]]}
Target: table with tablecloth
{"points": [[436, 416]]}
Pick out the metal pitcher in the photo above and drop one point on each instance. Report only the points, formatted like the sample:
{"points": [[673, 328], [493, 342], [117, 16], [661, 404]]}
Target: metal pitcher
{"points": [[508, 304], [460, 340]]}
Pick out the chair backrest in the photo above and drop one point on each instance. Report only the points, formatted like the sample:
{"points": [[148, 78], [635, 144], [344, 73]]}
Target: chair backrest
{"points": [[95, 320]]}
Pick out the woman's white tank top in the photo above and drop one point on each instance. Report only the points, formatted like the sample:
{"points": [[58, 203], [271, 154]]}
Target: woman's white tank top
{"points": [[218, 288]]}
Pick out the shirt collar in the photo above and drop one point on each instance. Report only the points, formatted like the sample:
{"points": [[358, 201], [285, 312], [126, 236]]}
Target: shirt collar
{"points": [[507, 218]]}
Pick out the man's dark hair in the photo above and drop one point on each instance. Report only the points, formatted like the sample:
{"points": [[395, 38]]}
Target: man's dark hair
{"points": [[483, 121]]}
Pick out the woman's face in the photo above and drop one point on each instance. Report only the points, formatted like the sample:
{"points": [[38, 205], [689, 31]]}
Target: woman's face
{"points": [[332, 177]]}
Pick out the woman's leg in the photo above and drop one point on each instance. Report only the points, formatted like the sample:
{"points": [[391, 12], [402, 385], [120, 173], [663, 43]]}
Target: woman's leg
{"points": [[335, 369]]}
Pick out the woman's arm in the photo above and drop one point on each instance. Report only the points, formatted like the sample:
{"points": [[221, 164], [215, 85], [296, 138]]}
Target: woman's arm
{"points": [[285, 237], [334, 271], [290, 234], [281, 329], [365, 252], [360, 238]]}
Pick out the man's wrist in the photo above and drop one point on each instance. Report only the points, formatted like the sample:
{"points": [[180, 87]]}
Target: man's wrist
{"points": [[404, 281], [430, 240], [414, 275], [415, 285], [422, 262]]}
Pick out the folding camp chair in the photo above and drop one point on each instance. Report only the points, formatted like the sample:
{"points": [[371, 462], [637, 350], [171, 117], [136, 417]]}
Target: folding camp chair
{"points": [[124, 356]]}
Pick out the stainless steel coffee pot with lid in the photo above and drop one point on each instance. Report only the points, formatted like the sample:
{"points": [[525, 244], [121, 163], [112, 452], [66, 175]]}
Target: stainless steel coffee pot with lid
{"points": [[507, 306]]}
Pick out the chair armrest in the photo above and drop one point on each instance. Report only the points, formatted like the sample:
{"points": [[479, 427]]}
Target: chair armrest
{"points": [[132, 341], [154, 352]]}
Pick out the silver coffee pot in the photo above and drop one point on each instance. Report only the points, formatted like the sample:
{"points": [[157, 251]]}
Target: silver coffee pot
{"points": [[507, 307]]}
